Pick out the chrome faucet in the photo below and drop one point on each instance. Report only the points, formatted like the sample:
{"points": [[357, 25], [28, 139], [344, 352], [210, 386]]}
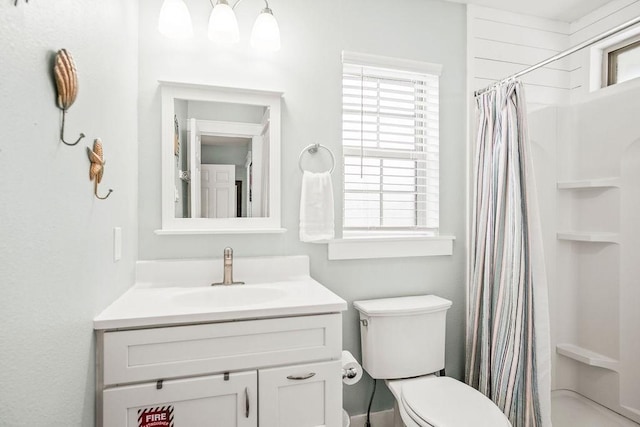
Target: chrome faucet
{"points": [[227, 278]]}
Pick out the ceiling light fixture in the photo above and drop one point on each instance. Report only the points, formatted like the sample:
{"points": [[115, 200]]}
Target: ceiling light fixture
{"points": [[175, 22]]}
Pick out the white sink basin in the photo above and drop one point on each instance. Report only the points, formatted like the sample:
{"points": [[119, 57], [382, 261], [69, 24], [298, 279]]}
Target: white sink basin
{"points": [[224, 296], [174, 292]]}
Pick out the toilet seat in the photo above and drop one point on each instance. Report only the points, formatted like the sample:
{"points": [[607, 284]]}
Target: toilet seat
{"points": [[444, 402]]}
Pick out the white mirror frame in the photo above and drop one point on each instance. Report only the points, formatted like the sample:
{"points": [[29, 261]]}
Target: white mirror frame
{"points": [[171, 91]]}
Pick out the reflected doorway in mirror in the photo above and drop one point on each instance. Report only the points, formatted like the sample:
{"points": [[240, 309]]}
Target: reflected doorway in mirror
{"points": [[218, 130]]}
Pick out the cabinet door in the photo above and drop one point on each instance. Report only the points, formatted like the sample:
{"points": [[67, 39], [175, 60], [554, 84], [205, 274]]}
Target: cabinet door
{"points": [[193, 402], [301, 395]]}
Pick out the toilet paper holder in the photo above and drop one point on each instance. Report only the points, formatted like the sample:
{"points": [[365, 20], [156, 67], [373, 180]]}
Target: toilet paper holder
{"points": [[351, 369], [349, 373]]}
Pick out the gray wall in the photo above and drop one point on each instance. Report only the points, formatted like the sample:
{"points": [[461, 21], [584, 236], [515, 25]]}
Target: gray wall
{"points": [[225, 155], [56, 239], [308, 70]]}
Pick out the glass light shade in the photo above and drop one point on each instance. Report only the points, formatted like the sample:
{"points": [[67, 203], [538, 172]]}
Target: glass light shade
{"points": [[223, 26], [175, 20], [266, 33]]}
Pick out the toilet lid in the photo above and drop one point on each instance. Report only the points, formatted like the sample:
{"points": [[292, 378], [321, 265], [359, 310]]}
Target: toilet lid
{"points": [[445, 402]]}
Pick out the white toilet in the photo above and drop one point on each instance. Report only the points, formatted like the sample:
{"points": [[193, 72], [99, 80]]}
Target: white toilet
{"points": [[403, 343]]}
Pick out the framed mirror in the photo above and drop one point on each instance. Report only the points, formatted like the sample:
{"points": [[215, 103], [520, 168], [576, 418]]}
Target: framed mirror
{"points": [[220, 160]]}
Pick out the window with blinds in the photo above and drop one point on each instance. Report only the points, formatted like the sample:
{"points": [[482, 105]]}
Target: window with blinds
{"points": [[390, 138]]}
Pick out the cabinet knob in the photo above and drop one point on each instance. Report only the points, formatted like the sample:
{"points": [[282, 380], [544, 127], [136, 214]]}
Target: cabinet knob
{"points": [[301, 376]]}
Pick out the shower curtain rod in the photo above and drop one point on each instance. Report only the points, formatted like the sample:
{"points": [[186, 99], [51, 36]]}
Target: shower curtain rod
{"points": [[561, 55]]}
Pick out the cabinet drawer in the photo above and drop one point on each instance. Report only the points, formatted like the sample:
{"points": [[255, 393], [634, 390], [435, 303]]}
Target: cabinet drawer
{"points": [[180, 351]]}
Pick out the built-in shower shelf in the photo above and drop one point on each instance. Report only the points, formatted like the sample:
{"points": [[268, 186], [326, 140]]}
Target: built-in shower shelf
{"points": [[589, 183], [587, 357], [585, 236]]}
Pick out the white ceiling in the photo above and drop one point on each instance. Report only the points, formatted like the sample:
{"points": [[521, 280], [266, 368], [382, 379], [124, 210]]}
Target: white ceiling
{"points": [[560, 10]]}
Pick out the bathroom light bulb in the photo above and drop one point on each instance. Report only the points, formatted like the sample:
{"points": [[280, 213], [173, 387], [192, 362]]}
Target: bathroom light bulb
{"points": [[175, 20], [223, 26], [266, 34]]}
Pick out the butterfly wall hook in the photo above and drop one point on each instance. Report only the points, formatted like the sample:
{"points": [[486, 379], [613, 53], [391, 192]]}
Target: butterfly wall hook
{"points": [[96, 156]]}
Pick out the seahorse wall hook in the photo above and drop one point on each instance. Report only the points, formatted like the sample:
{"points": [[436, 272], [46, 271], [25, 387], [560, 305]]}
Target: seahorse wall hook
{"points": [[96, 157], [66, 77]]}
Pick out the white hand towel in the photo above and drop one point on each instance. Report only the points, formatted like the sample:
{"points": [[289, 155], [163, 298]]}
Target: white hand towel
{"points": [[316, 207]]}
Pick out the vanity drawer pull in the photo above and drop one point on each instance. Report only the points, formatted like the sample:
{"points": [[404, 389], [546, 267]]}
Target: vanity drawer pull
{"points": [[301, 376]]}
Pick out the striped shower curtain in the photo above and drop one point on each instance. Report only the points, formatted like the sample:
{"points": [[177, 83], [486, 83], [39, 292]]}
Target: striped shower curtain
{"points": [[507, 327]]}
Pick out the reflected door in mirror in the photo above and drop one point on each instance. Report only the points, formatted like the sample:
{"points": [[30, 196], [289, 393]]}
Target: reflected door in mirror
{"points": [[218, 191]]}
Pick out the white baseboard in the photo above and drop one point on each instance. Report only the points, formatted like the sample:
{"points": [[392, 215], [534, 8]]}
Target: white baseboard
{"points": [[378, 419]]}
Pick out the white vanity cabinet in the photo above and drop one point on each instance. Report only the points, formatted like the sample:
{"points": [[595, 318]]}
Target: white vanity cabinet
{"points": [[274, 372]]}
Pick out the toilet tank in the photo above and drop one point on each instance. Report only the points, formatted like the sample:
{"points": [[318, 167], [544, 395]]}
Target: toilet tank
{"points": [[403, 337]]}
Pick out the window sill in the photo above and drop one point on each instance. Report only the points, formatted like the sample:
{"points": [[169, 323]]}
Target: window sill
{"points": [[389, 247]]}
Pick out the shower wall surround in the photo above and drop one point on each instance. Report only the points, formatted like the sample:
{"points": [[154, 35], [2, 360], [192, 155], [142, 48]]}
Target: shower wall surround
{"points": [[586, 159], [602, 275], [308, 70]]}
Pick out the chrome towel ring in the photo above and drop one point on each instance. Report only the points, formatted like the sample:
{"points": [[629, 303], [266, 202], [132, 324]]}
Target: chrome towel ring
{"points": [[312, 149]]}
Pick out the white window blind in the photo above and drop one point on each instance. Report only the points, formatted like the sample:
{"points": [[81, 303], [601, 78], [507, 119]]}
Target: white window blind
{"points": [[390, 137]]}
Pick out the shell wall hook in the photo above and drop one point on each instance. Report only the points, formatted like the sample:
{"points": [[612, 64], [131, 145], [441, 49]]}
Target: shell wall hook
{"points": [[96, 157], [66, 78]]}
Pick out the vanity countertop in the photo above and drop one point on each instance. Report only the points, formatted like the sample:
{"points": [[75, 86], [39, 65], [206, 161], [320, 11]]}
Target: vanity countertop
{"points": [[162, 296]]}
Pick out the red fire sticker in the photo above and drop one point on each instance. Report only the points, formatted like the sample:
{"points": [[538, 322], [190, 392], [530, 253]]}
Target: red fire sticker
{"points": [[156, 417]]}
